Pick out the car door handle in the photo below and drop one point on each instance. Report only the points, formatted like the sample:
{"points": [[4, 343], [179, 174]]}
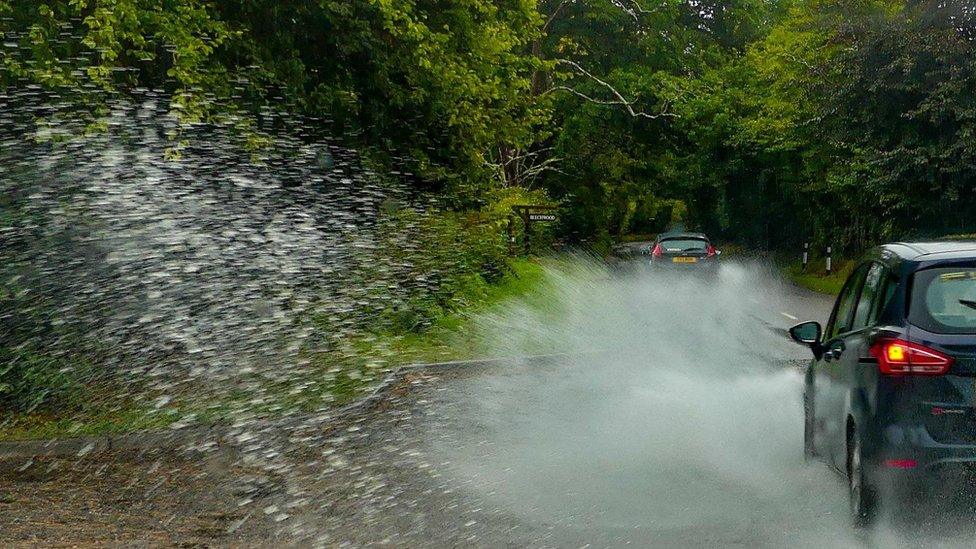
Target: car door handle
{"points": [[834, 351]]}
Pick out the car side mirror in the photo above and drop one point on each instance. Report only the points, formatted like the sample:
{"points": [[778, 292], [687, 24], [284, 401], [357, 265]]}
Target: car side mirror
{"points": [[807, 334]]}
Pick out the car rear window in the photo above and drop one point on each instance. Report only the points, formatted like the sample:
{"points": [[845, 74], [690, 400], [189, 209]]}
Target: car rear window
{"points": [[684, 244], [944, 300]]}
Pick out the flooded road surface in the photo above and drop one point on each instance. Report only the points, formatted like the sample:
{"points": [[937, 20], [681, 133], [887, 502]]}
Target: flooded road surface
{"points": [[685, 434]]}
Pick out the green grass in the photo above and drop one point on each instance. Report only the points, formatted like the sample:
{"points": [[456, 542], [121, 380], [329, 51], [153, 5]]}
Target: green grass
{"points": [[816, 278], [452, 336], [968, 236], [94, 420]]}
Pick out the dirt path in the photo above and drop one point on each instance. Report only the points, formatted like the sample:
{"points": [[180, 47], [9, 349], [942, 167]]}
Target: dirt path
{"points": [[124, 499]]}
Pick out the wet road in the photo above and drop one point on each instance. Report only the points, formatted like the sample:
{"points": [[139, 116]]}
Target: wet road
{"points": [[644, 447], [639, 445]]}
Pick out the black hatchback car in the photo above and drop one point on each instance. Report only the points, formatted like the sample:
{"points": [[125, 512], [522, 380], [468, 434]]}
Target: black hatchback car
{"points": [[692, 250], [890, 397]]}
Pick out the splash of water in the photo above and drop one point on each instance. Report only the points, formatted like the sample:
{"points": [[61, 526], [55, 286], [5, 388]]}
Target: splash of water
{"points": [[675, 419], [208, 286]]}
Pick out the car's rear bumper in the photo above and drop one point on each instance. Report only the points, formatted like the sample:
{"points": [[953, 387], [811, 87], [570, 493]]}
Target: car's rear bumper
{"points": [[911, 453], [700, 264]]}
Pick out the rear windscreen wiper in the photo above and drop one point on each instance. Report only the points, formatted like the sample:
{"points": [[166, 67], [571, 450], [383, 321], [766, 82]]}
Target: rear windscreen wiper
{"points": [[968, 302]]}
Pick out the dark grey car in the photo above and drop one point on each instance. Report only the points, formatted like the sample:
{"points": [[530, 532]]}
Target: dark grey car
{"points": [[684, 251], [889, 398]]}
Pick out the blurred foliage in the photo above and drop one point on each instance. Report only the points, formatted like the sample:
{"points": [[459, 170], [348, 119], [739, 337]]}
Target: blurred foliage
{"points": [[771, 123], [431, 85], [30, 379], [32, 375], [766, 123], [450, 258], [825, 121]]}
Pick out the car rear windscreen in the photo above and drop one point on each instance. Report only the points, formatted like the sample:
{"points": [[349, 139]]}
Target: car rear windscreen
{"points": [[684, 245], [944, 300]]}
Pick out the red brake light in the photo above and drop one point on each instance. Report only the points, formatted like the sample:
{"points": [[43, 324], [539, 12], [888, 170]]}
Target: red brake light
{"points": [[900, 357], [658, 251], [710, 251], [901, 463]]}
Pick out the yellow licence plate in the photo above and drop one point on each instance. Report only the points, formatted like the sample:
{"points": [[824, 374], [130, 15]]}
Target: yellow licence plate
{"points": [[684, 259]]}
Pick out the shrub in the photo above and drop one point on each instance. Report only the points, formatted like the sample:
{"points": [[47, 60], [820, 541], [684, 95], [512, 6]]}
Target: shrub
{"points": [[30, 379], [436, 262]]}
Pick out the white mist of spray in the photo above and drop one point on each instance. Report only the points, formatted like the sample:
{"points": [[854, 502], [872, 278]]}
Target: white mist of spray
{"points": [[676, 420]]}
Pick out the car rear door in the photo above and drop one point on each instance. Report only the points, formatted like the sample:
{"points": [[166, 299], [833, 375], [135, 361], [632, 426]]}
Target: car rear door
{"points": [[942, 316]]}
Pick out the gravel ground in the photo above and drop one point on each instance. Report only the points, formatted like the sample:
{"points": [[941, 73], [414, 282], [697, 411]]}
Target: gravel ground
{"points": [[380, 487], [125, 499]]}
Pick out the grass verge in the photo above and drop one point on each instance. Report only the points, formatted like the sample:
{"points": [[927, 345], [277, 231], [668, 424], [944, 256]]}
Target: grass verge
{"points": [[815, 276], [452, 337], [93, 420]]}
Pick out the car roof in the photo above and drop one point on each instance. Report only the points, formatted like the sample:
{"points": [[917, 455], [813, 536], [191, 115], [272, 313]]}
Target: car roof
{"points": [[939, 249]]}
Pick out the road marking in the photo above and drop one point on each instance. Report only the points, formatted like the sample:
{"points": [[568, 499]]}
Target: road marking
{"points": [[789, 316]]}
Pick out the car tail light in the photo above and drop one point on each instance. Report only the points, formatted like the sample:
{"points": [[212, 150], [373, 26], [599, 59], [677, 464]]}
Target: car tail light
{"points": [[900, 357], [658, 251], [901, 463], [710, 251]]}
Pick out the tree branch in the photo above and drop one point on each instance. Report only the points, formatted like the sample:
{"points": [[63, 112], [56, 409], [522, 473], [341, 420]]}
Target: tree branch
{"points": [[522, 168], [633, 8], [628, 11], [619, 98], [554, 14]]}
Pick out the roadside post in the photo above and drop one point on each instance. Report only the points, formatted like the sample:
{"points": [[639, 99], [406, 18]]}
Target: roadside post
{"points": [[828, 260], [533, 213], [511, 236], [806, 255]]}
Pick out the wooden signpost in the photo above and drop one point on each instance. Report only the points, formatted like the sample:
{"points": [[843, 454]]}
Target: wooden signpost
{"points": [[532, 214]]}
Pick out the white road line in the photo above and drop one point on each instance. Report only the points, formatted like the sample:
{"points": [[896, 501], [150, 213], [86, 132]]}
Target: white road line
{"points": [[789, 316]]}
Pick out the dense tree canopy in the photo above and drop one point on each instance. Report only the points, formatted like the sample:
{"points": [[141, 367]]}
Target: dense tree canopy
{"points": [[770, 122]]}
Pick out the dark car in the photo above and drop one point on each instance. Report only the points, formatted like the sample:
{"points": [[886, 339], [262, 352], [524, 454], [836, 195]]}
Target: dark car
{"points": [[686, 250], [890, 397]]}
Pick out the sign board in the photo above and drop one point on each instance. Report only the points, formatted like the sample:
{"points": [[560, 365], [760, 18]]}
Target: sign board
{"points": [[530, 214]]}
